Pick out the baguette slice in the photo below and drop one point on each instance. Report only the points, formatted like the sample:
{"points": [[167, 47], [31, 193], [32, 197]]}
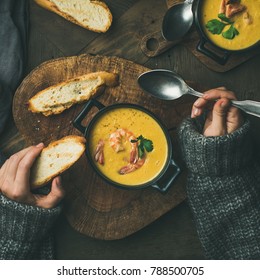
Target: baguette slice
{"points": [[57, 157], [57, 98], [90, 14]]}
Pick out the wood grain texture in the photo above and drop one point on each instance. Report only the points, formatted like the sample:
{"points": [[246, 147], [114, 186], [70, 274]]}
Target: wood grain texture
{"points": [[170, 3], [172, 237], [93, 207], [68, 37], [128, 30]]}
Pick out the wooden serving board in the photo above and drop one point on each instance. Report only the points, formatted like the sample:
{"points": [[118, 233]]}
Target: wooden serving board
{"points": [[93, 207], [190, 41]]}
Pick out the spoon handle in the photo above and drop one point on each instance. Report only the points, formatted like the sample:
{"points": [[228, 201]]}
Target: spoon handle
{"points": [[194, 92], [248, 106]]}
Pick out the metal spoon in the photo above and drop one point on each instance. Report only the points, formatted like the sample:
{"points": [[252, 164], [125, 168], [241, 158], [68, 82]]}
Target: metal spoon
{"points": [[167, 85], [177, 21]]}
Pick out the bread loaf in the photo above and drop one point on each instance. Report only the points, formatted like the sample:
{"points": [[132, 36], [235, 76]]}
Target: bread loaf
{"points": [[90, 14], [57, 157], [57, 98]]}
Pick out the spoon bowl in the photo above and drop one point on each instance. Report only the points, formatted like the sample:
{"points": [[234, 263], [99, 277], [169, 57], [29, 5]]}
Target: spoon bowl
{"points": [[164, 84], [167, 85], [177, 21]]}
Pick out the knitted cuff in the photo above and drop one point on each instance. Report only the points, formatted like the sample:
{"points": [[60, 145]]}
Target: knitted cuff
{"points": [[214, 156], [25, 223]]}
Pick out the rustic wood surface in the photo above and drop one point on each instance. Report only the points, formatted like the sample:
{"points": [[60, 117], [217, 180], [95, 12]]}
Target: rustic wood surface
{"points": [[153, 44], [93, 207], [173, 235]]}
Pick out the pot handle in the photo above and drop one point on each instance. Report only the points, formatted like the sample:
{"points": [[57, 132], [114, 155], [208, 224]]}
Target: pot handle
{"points": [[169, 176], [77, 122], [219, 59]]}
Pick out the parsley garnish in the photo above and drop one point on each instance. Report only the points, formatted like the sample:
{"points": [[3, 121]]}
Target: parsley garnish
{"points": [[143, 145], [224, 18], [216, 26], [230, 33]]}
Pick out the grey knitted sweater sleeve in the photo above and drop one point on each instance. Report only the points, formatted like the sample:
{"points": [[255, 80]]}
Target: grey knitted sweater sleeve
{"points": [[26, 231], [223, 190]]}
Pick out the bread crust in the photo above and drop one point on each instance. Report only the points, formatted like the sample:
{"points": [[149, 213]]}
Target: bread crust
{"points": [[106, 79], [71, 139], [47, 4]]}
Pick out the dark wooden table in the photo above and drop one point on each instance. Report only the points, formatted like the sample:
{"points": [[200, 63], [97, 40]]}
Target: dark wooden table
{"points": [[173, 236]]}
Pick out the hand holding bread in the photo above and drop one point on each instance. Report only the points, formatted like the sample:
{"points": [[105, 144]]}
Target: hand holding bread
{"points": [[15, 180], [90, 14]]}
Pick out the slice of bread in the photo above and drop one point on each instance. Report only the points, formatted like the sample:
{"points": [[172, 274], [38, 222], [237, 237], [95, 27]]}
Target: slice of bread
{"points": [[57, 98], [90, 14], [57, 157]]}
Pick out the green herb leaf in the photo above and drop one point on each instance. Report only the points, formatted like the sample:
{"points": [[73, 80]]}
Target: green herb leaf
{"points": [[148, 145], [215, 26], [224, 18], [230, 33], [140, 137], [143, 145], [140, 151]]}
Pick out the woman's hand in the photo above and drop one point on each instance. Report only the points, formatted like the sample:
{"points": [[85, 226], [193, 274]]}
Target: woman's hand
{"points": [[15, 180], [222, 118]]}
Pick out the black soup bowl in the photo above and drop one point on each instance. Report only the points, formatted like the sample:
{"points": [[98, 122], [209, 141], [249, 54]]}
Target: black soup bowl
{"points": [[161, 180], [207, 46]]}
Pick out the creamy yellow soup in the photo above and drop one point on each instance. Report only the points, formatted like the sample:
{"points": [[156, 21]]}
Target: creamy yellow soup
{"points": [[138, 123], [249, 34]]}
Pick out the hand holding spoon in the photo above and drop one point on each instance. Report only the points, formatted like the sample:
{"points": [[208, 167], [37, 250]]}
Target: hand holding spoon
{"points": [[167, 85]]}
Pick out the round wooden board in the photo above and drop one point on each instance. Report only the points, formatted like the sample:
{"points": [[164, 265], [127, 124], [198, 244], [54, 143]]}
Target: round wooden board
{"points": [[93, 207]]}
